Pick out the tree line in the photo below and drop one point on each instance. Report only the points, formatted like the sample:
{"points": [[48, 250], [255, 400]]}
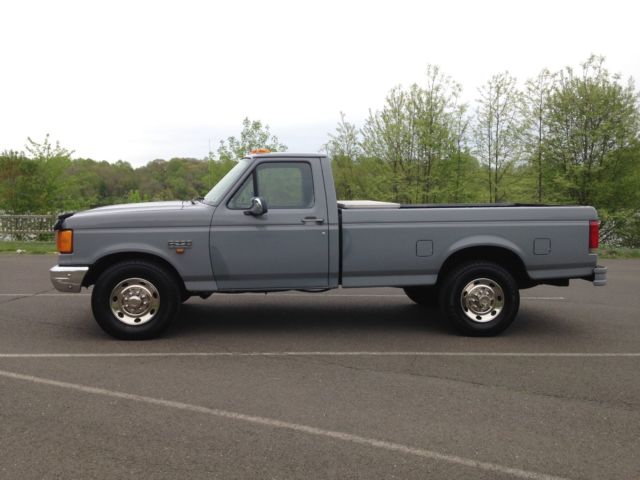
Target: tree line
{"points": [[568, 137], [45, 178]]}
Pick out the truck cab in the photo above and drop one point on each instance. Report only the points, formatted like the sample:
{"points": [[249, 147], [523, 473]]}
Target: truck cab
{"points": [[277, 226]]}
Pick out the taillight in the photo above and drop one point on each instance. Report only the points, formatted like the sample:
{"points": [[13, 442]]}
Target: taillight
{"points": [[594, 234], [64, 241]]}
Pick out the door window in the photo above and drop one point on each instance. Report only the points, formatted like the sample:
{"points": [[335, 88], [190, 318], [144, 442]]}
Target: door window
{"points": [[280, 184], [242, 198]]}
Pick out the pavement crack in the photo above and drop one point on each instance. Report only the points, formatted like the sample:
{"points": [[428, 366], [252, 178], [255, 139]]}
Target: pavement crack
{"points": [[22, 297], [620, 405]]}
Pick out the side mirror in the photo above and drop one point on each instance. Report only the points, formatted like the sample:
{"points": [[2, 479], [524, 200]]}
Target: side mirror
{"points": [[258, 207]]}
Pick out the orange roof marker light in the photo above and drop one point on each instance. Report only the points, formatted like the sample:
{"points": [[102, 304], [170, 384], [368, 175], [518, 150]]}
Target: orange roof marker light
{"points": [[259, 150]]}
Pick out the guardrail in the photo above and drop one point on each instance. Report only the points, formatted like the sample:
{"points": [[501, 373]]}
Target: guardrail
{"points": [[26, 227]]}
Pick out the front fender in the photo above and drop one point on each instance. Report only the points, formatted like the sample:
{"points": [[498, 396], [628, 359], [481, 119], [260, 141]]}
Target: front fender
{"points": [[193, 265]]}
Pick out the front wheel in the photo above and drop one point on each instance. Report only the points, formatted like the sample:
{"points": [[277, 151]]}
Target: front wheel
{"points": [[135, 300], [480, 298]]}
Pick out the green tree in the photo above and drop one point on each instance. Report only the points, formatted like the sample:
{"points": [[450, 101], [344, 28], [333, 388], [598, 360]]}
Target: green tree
{"points": [[253, 135], [344, 150], [52, 161], [417, 132], [499, 129], [463, 169], [593, 136], [345, 142], [432, 113], [19, 191], [537, 96], [385, 136], [47, 150]]}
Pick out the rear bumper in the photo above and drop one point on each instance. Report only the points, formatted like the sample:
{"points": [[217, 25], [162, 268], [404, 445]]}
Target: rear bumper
{"points": [[599, 276], [68, 279]]}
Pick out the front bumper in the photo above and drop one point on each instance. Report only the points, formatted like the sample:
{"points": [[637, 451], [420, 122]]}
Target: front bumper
{"points": [[599, 276], [68, 279]]}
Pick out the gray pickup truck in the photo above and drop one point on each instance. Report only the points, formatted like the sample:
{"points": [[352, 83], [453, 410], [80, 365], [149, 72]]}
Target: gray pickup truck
{"points": [[273, 223]]}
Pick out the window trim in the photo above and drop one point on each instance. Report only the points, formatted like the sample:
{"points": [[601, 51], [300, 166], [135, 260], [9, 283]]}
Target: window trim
{"points": [[252, 174]]}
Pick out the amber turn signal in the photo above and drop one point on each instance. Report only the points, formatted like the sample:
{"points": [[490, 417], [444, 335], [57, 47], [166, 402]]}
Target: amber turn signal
{"points": [[64, 241]]}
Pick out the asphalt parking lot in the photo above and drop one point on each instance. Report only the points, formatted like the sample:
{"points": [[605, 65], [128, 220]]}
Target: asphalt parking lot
{"points": [[345, 384]]}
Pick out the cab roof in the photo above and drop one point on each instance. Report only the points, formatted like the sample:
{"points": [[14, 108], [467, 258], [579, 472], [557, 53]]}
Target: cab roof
{"points": [[285, 155]]}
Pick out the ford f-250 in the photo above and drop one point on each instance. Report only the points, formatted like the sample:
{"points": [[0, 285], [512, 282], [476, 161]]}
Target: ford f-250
{"points": [[273, 223]]}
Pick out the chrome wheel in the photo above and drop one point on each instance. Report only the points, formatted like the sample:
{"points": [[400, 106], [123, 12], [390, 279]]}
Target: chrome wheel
{"points": [[482, 300], [134, 301]]}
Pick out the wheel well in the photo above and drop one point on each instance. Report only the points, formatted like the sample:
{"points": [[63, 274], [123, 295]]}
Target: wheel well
{"points": [[499, 255], [102, 264]]}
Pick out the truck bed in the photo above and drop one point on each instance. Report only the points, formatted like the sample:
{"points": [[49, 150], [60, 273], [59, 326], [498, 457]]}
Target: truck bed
{"points": [[403, 245]]}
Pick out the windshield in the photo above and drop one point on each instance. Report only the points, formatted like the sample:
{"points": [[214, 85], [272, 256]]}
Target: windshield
{"points": [[216, 193]]}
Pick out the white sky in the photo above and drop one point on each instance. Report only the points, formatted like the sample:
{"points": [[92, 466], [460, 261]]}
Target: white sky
{"points": [[142, 80]]}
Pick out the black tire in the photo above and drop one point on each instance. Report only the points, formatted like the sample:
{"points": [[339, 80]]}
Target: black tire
{"points": [[125, 287], [483, 290], [425, 296]]}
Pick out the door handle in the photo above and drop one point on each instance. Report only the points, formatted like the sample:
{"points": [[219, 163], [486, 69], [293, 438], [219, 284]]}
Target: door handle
{"points": [[315, 220]]}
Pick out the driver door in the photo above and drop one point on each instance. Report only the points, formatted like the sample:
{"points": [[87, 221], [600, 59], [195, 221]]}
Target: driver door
{"points": [[287, 246]]}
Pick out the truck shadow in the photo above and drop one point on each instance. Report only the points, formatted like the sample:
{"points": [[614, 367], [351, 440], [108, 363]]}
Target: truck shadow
{"points": [[259, 317], [256, 315]]}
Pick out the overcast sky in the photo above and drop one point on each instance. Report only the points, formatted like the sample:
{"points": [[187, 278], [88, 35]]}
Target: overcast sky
{"points": [[142, 80]]}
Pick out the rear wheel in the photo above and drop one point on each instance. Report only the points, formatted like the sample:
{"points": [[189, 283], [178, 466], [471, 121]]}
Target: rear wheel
{"points": [[135, 300], [480, 298], [423, 295]]}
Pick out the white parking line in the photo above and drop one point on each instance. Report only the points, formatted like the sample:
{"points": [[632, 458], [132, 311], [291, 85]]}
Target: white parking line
{"points": [[42, 294], [542, 298], [317, 295], [296, 427], [384, 295], [327, 354]]}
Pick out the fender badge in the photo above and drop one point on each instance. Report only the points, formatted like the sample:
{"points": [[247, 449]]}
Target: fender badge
{"points": [[180, 244]]}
